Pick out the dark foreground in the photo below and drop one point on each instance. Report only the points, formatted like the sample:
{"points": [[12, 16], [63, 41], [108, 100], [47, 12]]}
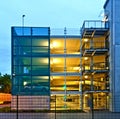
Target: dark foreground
{"points": [[88, 115]]}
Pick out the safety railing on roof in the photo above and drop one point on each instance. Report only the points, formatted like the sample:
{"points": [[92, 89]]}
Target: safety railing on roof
{"points": [[65, 32], [93, 24]]}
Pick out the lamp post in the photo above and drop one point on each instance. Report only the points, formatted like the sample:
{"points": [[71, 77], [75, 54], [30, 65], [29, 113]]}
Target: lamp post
{"points": [[23, 20], [23, 24]]}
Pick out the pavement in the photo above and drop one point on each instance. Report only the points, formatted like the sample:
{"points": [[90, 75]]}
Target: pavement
{"points": [[95, 115]]}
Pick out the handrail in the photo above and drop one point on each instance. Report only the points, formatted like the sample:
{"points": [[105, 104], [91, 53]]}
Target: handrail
{"points": [[94, 24]]}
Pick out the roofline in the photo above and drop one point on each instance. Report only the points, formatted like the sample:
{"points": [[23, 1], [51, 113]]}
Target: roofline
{"points": [[63, 36]]}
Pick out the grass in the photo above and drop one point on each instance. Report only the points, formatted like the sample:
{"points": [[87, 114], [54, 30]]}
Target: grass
{"points": [[5, 109]]}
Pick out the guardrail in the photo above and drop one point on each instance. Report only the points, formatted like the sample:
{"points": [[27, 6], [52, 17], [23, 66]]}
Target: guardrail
{"points": [[94, 24]]}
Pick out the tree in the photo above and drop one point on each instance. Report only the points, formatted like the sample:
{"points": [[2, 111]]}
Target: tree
{"points": [[5, 84]]}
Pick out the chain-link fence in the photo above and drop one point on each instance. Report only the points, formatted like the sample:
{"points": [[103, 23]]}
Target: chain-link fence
{"points": [[58, 107]]}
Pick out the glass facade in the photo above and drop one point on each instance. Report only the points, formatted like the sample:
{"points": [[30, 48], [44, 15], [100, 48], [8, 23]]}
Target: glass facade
{"points": [[30, 61]]}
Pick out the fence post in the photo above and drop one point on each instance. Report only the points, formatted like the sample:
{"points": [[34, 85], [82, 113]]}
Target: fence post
{"points": [[55, 106], [92, 106], [17, 107]]}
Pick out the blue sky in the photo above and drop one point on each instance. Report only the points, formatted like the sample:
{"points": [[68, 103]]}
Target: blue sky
{"points": [[53, 13]]}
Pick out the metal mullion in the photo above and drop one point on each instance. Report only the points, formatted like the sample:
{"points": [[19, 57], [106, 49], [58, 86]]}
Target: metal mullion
{"points": [[31, 61]]}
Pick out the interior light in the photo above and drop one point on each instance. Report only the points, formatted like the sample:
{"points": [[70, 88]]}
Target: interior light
{"points": [[55, 61], [44, 60], [51, 62], [86, 76], [25, 83], [53, 45], [80, 69], [44, 43], [86, 58], [51, 78], [86, 95], [101, 79], [102, 93], [76, 68], [107, 67], [85, 40]]}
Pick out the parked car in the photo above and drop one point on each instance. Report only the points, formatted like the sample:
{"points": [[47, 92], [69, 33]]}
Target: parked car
{"points": [[36, 87]]}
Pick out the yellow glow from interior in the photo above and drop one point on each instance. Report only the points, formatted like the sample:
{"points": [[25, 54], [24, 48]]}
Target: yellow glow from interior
{"points": [[101, 79], [85, 40], [51, 78], [54, 45], [87, 67], [86, 58], [86, 76], [88, 82], [54, 61], [76, 68], [44, 77], [45, 43], [45, 60], [51, 62], [76, 53]]}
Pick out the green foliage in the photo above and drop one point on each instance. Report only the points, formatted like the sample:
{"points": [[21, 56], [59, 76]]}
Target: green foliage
{"points": [[5, 109], [5, 84]]}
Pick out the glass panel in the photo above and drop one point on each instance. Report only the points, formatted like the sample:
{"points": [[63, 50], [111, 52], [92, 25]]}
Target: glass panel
{"points": [[21, 80], [57, 64], [73, 46], [22, 50], [39, 50], [65, 102], [20, 70], [40, 70], [73, 64], [15, 90], [40, 61], [19, 31], [22, 61], [40, 88], [40, 79], [40, 42], [58, 83], [40, 31], [15, 81], [22, 41], [57, 46]]}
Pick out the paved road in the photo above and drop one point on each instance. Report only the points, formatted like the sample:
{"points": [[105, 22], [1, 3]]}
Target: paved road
{"points": [[97, 115]]}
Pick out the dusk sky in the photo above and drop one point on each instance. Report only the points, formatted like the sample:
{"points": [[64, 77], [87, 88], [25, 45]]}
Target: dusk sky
{"points": [[42, 13]]}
